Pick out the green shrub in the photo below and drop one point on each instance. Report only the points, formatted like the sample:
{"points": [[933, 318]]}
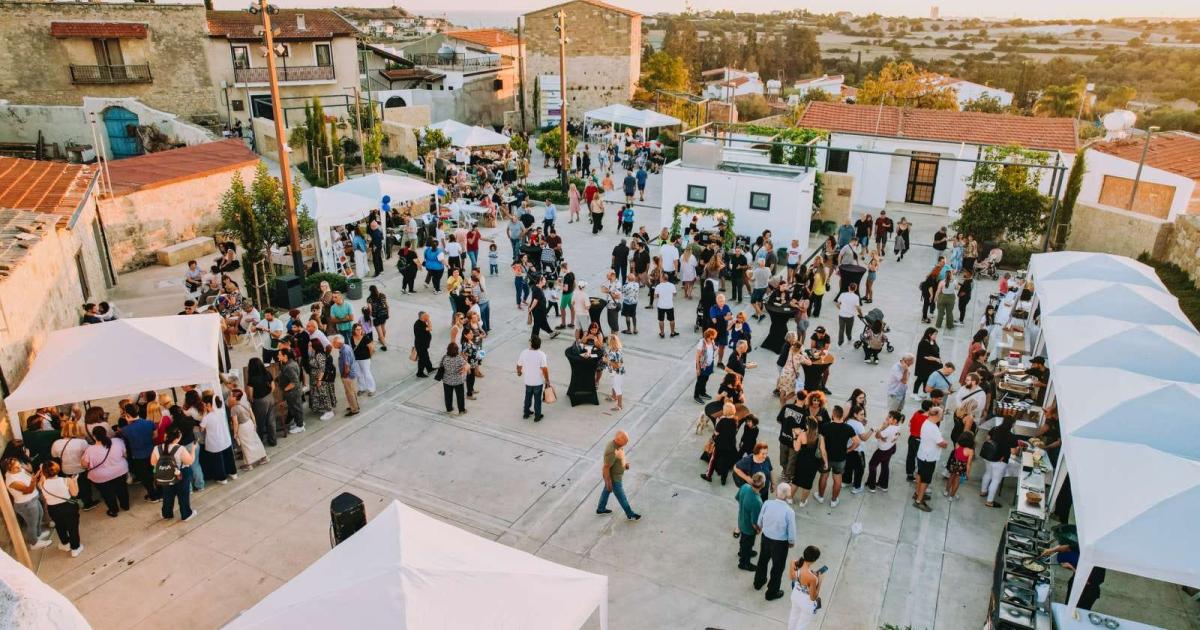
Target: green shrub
{"points": [[1016, 255], [312, 284], [1179, 284], [401, 163]]}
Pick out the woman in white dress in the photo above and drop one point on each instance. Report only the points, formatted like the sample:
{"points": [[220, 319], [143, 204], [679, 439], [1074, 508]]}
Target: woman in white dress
{"points": [[245, 430], [806, 589], [687, 271]]}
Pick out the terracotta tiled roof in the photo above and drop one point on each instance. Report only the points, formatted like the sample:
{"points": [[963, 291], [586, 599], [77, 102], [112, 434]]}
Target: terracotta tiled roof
{"points": [[489, 37], [131, 30], [943, 125], [318, 24], [603, 5], [1175, 152], [177, 165], [19, 232], [54, 188]]}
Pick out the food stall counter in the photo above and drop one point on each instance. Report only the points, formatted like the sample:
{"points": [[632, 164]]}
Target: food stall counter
{"points": [[1088, 620]]}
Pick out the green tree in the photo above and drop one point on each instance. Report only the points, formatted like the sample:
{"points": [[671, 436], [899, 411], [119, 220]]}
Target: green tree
{"points": [[681, 40], [429, 139], [1057, 101], [519, 144], [1062, 222], [904, 85], [986, 103], [258, 218], [803, 56], [373, 146], [663, 71], [550, 142], [1119, 97], [752, 107]]}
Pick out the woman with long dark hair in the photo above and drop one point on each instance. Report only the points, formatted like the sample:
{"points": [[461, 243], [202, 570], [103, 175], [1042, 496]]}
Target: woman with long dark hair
{"points": [[59, 492], [106, 465], [322, 373], [929, 359], [216, 458]]}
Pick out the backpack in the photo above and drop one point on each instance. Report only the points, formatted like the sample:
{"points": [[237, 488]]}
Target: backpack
{"points": [[166, 472], [989, 451]]}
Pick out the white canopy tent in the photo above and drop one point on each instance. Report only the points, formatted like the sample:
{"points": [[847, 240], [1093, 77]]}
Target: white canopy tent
{"points": [[468, 136], [27, 602], [331, 208], [1125, 302], [1092, 266], [621, 114], [118, 358], [1126, 375], [409, 570], [398, 188]]}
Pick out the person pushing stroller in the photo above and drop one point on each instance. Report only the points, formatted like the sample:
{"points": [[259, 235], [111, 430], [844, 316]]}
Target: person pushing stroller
{"points": [[874, 336]]}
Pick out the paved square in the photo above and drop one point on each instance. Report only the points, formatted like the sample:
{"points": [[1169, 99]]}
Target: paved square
{"points": [[535, 486]]}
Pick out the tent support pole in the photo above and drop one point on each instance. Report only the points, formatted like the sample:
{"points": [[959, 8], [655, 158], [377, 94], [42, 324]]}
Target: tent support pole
{"points": [[14, 531], [1082, 572]]}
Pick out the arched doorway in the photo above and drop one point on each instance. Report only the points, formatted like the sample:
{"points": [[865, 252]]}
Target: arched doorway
{"points": [[121, 125], [395, 101]]}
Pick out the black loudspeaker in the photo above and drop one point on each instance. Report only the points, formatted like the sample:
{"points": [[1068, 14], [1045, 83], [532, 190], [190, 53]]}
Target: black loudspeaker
{"points": [[346, 516], [287, 293]]}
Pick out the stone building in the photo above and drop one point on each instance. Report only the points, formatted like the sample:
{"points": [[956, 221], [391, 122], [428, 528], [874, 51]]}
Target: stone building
{"points": [[165, 198], [58, 53], [53, 258], [320, 59], [604, 55]]}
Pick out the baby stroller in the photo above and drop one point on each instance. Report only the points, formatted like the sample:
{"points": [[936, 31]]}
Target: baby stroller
{"points": [[874, 336], [989, 267], [708, 297]]}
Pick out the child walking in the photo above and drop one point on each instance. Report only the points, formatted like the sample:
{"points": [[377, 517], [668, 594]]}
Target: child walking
{"points": [[493, 260]]}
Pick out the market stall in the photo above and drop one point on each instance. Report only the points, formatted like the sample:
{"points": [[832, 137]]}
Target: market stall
{"points": [[331, 209], [409, 570], [620, 114], [1125, 374]]}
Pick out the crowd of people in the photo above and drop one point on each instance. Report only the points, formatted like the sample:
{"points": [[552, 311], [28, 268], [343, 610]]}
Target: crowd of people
{"points": [[824, 445]]}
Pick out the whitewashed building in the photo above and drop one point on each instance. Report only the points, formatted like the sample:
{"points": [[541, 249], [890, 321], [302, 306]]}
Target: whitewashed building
{"points": [[724, 83], [897, 156], [831, 85], [1170, 181], [968, 91], [761, 195]]}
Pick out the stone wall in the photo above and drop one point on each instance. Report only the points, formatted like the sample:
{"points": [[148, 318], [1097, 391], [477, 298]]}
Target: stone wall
{"points": [[1183, 246], [142, 222], [35, 66], [1098, 228], [44, 293], [603, 57], [835, 197]]}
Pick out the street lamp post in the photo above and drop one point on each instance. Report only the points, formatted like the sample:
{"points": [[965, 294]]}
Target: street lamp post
{"points": [[1137, 179], [564, 159], [285, 175]]}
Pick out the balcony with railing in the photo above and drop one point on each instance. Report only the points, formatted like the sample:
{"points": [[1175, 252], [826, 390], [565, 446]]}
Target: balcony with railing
{"points": [[108, 75], [456, 61], [284, 74]]}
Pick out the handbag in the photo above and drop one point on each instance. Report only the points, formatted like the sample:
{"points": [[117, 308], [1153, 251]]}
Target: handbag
{"points": [[549, 396], [441, 372], [477, 372], [412, 354]]}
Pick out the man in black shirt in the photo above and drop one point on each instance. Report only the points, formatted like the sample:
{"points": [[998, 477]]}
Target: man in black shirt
{"points": [[1041, 376], [839, 439], [538, 309], [790, 420], [620, 260], [641, 261], [737, 273]]}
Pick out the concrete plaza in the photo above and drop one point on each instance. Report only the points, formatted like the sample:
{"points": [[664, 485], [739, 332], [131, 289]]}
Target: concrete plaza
{"points": [[535, 486]]}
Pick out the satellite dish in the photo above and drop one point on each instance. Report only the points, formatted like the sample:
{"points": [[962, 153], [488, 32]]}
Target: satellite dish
{"points": [[1118, 123]]}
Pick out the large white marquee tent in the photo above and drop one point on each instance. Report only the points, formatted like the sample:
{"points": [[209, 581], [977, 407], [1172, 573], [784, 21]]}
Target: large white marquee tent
{"points": [[1126, 380], [621, 114], [120, 357], [408, 570]]}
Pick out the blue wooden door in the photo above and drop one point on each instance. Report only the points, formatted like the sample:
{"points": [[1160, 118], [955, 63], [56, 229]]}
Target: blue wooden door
{"points": [[121, 125]]}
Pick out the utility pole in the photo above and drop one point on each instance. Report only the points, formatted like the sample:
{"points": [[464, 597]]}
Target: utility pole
{"points": [[285, 173], [1137, 179], [362, 154], [564, 159], [521, 71]]}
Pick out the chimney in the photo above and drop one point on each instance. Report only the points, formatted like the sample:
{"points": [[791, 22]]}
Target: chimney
{"points": [[300, 22]]}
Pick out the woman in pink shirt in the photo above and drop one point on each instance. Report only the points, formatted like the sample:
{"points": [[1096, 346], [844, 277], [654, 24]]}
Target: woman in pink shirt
{"points": [[106, 466]]}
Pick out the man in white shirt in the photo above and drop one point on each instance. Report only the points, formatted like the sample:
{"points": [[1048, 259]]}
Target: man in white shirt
{"points": [[664, 296], [928, 453], [794, 252], [856, 460], [849, 306], [669, 255], [533, 367], [218, 441], [270, 330]]}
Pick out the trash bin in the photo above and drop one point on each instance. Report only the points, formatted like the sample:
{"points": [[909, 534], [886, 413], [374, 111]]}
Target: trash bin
{"points": [[354, 288]]}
